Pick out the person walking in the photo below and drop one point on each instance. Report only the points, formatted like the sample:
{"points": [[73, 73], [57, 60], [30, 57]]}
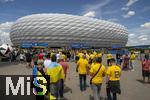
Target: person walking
{"points": [[113, 80], [82, 66], [125, 65], [146, 68], [56, 74], [65, 66], [97, 72], [118, 57], [35, 58], [21, 57], [28, 58], [132, 60], [41, 55]]}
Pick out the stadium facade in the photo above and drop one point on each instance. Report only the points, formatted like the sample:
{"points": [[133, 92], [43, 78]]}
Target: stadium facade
{"points": [[63, 30]]}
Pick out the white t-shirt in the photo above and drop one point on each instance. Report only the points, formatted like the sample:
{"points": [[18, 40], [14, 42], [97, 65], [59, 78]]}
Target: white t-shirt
{"points": [[47, 63], [58, 56], [21, 56]]}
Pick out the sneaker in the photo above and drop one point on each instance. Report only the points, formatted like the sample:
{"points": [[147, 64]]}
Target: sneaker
{"points": [[132, 70]]}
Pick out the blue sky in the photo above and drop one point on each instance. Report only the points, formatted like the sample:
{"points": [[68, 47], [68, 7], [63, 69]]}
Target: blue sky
{"points": [[133, 14]]}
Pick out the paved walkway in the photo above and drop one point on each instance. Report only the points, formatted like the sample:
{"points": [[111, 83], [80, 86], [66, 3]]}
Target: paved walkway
{"points": [[131, 85]]}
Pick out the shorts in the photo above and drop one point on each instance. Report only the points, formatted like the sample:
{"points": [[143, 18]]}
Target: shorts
{"points": [[145, 73], [114, 86]]}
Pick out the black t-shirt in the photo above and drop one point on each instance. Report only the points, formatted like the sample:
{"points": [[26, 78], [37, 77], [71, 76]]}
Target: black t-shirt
{"points": [[117, 56], [28, 57]]}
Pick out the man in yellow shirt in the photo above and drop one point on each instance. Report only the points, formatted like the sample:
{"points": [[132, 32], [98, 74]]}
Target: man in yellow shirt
{"points": [[132, 60], [113, 80], [56, 74], [97, 73], [82, 66]]}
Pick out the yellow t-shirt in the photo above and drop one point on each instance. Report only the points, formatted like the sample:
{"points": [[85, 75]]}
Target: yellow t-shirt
{"points": [[55, 72], [99, 77], [109, 56], [99, 55], [94, 53], [92, 56], [92, 64], [83, 64], [132, 57], [114, 73], [51, 55]]}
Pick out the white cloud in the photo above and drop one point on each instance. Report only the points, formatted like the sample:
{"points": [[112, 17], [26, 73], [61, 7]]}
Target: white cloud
{"points": [[6, 1], [90, 14], [146, 25], [5, 38], [125, 8], [4, 32], [141, 36], [131, 35], [144, 39], [6, 26], [131, 2], [129, 14], [95, 7]]}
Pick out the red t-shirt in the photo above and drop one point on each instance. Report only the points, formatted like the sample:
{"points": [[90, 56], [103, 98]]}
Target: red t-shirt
{"points": [[146, 65], [41, 56], [65, 66]]}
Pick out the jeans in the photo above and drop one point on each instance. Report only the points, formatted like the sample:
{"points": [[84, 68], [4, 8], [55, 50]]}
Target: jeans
{"points": [[118, 61], [54, 90], [132, 63], [57, 89], [61, 90], [96, 88], [82, 78]]}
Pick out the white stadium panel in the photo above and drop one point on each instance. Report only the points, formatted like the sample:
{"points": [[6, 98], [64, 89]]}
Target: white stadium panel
{"points": [[65, 30]]}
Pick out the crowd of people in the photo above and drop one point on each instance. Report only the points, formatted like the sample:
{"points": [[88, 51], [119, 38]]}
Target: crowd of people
{"points": [[52, 65], [92, 65]]}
